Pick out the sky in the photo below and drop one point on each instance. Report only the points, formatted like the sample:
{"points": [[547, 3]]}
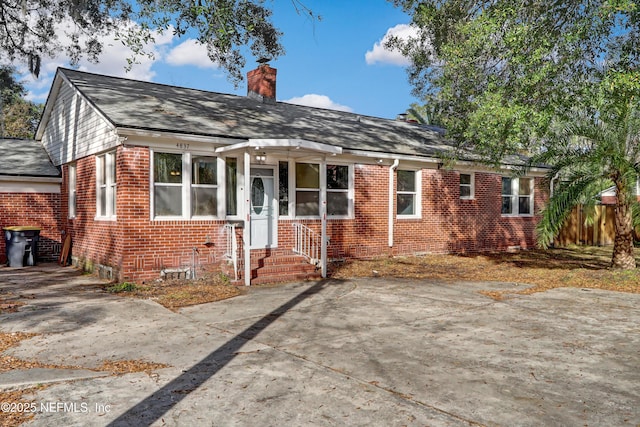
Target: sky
{"points": [[337, 62]]}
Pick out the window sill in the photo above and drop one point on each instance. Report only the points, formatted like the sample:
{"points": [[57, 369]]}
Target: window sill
{"points": [[193, 218], [104, 218], [408, 217]]}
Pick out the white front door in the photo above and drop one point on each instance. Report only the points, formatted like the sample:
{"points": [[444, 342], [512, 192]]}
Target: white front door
{"points": [[263, 215]]}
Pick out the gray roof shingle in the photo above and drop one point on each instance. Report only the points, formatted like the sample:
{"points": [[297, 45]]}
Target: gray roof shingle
{"points": [[25, 157], [143, 105]]}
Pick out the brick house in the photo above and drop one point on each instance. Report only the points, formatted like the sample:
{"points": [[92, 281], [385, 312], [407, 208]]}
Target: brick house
{"points": [[158, 179], [30, 194]]}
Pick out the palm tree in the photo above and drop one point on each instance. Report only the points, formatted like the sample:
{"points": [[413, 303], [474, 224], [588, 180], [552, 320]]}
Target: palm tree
{"points": [[592, 153]]}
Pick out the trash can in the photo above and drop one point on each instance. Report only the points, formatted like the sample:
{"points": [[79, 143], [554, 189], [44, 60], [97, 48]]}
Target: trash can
{"points": [[21, 245]]}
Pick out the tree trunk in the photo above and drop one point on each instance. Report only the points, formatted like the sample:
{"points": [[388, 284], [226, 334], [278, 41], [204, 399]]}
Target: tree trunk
{"points": [[623, 257]]}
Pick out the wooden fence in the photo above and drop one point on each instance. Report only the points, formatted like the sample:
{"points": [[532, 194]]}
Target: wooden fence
{"points": [[600, 233]]}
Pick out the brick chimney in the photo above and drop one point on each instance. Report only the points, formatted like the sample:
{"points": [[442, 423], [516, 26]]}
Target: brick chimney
{"points": [[261, 83]]}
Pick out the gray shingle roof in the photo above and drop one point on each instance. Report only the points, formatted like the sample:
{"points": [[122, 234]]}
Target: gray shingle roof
{"points": [[144, 105], [25, 157]]}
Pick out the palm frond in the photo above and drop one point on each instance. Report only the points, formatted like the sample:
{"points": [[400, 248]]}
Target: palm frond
{"points": [[575, 191], [635, 213]]}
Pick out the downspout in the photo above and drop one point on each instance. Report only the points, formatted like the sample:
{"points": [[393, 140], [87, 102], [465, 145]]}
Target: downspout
{"points": [[392, 170], [551, 186]]}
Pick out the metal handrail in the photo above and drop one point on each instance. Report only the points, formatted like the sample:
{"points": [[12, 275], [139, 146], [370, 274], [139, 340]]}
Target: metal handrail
{"points": [[307, 243], [231, 252]]}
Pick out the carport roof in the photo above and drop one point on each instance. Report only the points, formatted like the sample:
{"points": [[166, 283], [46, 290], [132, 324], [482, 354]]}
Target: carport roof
{"points": [[25, 157]]}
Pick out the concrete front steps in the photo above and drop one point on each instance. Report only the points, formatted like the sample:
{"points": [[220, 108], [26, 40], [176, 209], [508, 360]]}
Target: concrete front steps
{"points": [[278, 266]]}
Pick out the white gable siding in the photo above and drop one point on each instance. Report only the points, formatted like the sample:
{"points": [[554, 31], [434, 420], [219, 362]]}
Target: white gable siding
{"points": [[75, 129]]}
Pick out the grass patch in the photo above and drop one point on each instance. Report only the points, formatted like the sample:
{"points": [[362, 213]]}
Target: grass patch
{"points": [[578, 267], [122, 287]]}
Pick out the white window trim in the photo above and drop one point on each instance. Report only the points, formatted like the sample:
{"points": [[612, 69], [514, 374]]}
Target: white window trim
{"points": [[323, 190], [472, 186], [222, 188], [322, 178], [417, 193], [515, 197], [73, 190], [349, 191], [186, 186], [110, 185], [221, 211]]}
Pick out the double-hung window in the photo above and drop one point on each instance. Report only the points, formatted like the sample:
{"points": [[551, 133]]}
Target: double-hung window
{"points": [[106, 185], [407, 194], [307, 189], [337, 179], [338, 200], [186, 186], [517, 196], [167, 184], [466, 185], [204, 186], [71, 182]]}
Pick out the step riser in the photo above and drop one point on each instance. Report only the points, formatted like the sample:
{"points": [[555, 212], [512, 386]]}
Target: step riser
{"points": [[277, 267]]}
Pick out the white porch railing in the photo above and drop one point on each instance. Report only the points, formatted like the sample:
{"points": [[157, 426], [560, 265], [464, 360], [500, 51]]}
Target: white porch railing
{"points": [[231, 252], [307, 243]]}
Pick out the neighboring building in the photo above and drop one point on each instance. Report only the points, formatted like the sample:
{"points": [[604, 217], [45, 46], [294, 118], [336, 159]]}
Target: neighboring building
{"points": [[30, 194], [156, 178], [608, 196]]}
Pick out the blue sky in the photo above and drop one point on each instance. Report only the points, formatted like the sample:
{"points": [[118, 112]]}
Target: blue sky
{"points": [[337, 62]]}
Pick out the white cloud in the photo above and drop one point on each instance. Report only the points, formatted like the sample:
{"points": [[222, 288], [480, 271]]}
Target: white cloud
{"points": [[320, 101], [190, 52], [379, 53], [112, 61]]}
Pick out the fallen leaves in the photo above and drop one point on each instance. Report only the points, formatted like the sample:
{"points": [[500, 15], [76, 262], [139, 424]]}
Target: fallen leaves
{"points": [[21, 397], [12, 339], [119, 367], [539, 270], [16, 397], [178, 293]]}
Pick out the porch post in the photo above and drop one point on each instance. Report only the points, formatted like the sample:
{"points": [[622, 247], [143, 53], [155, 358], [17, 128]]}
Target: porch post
{"points": [[246, 235], [323, 217]]}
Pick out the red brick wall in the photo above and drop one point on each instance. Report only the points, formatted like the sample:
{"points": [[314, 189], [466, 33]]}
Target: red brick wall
{"points": [[611, 200], [36, 209], [137, 248], [448, 223]]}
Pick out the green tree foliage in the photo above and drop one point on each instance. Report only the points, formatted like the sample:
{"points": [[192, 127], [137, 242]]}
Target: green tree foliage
{"points": [[559, 81], [225, 27], [592, 152], [18, 117], [500, 71]]}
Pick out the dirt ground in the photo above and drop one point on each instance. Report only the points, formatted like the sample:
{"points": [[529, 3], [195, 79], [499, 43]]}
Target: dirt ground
{"points": [[573, 267]]}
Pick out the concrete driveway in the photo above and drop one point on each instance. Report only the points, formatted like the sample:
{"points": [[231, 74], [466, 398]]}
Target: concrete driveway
{"points": [[381, 352]]}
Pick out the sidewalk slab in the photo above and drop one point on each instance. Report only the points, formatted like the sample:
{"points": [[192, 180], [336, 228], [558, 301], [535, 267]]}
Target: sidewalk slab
{"points": [[24, 378]]}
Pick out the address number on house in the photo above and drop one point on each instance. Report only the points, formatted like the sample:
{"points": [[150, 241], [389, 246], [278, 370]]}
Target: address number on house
{"points": [[182, 146]]}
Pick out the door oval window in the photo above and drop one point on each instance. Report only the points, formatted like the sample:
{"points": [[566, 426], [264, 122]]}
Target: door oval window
{"points": [[257, 195]]}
